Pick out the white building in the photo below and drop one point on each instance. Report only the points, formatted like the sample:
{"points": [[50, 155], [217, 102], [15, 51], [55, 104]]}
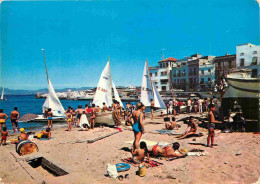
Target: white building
{"points": [[160, 74], [248, 56]]}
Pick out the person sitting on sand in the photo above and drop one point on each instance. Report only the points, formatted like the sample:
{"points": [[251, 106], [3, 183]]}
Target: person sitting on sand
{"points": [[4, 135], [46, 133], [104, 107], [138, 127], [211, 125], [23, 135], [191, 129], [168, 151], [140, 153], [170, 125]]}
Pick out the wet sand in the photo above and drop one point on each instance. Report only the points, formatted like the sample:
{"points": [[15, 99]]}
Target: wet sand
{"points": [[236, 159]]}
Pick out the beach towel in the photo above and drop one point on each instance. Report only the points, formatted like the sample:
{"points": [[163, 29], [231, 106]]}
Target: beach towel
{"points": [[167, 131], [46, 139], [150, 143], [153, 163], [83, 123]]}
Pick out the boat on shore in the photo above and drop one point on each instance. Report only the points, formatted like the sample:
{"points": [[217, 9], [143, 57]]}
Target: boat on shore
{"points": [[245, 91]]}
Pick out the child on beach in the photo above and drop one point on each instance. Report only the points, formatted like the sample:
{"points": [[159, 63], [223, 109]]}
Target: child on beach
{"points": [[170, 125], [4, 135], [211, 125], [49, 118], [3, 118], [140, 153]]}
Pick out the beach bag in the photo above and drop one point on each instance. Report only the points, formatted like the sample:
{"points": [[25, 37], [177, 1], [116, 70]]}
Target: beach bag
{"points": [[112, 171], [142, 170]]}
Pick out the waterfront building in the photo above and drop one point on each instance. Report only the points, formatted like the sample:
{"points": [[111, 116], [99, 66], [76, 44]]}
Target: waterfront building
{"points": [[206, 75], [160, 74], [223, 66], [248, 56]]}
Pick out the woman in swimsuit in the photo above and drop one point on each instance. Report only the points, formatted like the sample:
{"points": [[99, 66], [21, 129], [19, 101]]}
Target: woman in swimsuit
{"points": [[3, 118], [138, 126], [211, 125], [191, 129], [168, 151]]}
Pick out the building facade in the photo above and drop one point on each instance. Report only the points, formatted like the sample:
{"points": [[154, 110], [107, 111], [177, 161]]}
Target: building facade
{"points": [[179, 74], [160, 75], [206, 76], [248, 56], [224, 66]]}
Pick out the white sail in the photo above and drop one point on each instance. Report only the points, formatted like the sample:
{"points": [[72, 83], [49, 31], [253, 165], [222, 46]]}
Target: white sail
{"points": [[53, 102], [103, 92], [117, 98], [146, 91], [158, 102], [2, 96]]}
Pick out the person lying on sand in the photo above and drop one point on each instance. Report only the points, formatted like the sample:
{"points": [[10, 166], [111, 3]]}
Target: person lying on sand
{"points": [[190, 130], [168, 151], [46, 133], [140, 153], [170, 125]]}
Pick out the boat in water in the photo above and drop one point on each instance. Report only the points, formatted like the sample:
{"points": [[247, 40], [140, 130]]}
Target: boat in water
{"points": [[243, 90], [53, 102]]}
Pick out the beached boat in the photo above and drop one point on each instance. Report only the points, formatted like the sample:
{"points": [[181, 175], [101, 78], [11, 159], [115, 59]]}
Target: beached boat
{"points": [[53, 102], [149, 91], [245, 90], [104, 94]]}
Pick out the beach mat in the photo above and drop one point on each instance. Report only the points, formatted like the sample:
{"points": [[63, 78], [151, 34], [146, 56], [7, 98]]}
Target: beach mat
{"points": [[166, 131], [153, 163]]}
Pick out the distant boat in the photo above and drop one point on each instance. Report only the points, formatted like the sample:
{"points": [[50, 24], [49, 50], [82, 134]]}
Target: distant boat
{"points": [[104, 94], [2, 96], [149, 91]]}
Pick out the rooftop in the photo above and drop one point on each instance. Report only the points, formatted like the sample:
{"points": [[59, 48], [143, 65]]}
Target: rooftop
{"points": [[168, 59]]}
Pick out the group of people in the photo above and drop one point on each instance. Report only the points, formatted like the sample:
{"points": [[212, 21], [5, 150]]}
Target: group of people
{"points": [[140, 152]]}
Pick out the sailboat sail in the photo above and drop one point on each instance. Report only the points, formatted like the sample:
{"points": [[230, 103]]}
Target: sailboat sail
{"points": [[103, 92], [117, 98], [146, 91], [2, 96], [158, 102], [53, 102]]}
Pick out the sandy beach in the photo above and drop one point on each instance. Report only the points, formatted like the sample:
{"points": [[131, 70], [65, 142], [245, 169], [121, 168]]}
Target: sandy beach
{"points": [[236, 159]]}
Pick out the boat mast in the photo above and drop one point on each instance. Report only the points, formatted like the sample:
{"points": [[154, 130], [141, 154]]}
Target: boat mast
{"points": [[45, 65], [110, 81]]}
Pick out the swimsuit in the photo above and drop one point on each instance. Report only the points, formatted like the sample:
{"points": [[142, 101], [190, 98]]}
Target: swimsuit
{"points": [[78, 116], [154, 150], [69, 120], [14, 121], [136, 160], [2, 121], [49, 118], [4, 137], [136, 126], [166, 149]]}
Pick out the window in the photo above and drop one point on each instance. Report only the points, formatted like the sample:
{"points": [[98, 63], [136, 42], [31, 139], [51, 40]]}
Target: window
{"points": [[209, 70], [255, 52], [160, 65], [242, 54], [229, 65], [156, 74], [202, 81], [202, 72], [254, 73], [151, 74], [156, 87], [242, 62], [254, 61], [209, 79], [166, 64]]}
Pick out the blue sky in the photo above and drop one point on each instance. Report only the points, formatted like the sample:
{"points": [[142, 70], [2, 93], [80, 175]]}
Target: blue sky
{"points": [[79, 36]]}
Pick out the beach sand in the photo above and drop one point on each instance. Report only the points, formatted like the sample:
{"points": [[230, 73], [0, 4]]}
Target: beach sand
{"points": [[236, 159]]}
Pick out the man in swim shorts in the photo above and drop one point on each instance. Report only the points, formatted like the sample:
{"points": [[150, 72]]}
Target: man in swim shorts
{"points": [[14, 118]]}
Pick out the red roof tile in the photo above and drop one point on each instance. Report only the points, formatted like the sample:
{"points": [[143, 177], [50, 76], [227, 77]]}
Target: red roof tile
{"points": [[168, 59]]}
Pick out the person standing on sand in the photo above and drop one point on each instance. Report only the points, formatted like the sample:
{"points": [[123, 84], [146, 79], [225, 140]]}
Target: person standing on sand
{"points": [[143, 111], [69, 120], [3, 118], [4, 135], [188, 105], [14, 116], [211, 125], [92, 116], [79, 112], [73, 116], [152, 107], [138, 127], [116, 116], [49, 116]]}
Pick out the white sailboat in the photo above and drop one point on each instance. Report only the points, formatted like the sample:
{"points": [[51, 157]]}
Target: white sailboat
{"points": [[116, 95], [2, 96], [104, 95], [148, 92], [52, 101]]}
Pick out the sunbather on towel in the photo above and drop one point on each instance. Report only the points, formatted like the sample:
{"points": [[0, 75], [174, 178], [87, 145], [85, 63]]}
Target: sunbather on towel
{"points": [[170, 125], [140, 153], [191, 129], [168, 151]]}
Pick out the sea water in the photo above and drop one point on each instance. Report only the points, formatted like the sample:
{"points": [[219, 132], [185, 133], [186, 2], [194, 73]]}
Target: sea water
{"points": [[30, 104]]}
